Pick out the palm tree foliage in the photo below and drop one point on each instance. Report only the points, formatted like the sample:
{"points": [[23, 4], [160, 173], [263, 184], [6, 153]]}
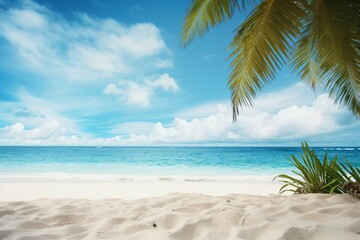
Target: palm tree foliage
{"points": [[319, 38], [320, 176]]}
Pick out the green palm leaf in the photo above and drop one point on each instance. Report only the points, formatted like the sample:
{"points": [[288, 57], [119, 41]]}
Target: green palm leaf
{"points": [[353, 171], [326, 35], [305, 58], [335, 37], [203, 14], [261, 46]]}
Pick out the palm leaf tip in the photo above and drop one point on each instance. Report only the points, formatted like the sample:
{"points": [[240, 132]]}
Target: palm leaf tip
{"points": [[204, 14]]}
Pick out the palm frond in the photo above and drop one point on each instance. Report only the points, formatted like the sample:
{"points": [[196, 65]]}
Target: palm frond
{"points": [[304, 56], [260, 46], [326, 36], [203, 14], [336, 37]]}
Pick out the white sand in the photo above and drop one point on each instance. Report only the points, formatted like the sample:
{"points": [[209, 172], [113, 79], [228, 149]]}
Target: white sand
{"points": [[127, 190], [176, 216]]}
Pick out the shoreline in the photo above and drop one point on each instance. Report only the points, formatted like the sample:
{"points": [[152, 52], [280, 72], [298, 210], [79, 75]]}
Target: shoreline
{"points": [[244, 177]]}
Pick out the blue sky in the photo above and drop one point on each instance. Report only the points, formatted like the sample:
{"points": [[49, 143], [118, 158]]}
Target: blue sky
{"points": [[113, 73]]}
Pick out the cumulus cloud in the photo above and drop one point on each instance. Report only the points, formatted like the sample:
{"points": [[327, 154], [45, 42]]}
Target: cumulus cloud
{"points": [[50, 133], [82, 47], [139, 93], [290, 123], [164, 82], [316, 120], [18, 131], [34, 112]]}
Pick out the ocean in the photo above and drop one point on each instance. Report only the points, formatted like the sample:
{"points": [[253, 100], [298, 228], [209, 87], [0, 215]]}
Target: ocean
{"points": [[34, 164]]}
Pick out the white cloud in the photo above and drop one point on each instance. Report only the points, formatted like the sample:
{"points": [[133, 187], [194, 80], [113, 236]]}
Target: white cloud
{"points": [[97, 60], [27, 19], [320, 121], [139, 93], [112, 89], [141, 40], [33, 112], [82, 48], [297, 94], [136, 94], [18, 131], [293, 121], [164, 82], [164, 63], [290, 123]]}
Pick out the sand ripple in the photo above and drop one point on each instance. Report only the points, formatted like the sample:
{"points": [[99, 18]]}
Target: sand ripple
{"points": [[185, 216]]}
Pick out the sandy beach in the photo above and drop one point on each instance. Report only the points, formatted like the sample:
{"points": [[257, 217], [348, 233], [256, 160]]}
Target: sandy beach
{"points": [[21, 191], [83, 211]]}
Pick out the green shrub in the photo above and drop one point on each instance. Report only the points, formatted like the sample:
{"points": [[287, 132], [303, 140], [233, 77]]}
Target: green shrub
{"points": [[351, 178], [320, 176]]}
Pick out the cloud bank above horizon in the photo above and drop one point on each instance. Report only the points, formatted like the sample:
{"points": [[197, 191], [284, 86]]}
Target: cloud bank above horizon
{"points": [[268, 123]]}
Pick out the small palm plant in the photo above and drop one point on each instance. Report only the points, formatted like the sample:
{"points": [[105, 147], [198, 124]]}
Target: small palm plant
{"points": [[320, 176], [351, 176], [315, 175]]}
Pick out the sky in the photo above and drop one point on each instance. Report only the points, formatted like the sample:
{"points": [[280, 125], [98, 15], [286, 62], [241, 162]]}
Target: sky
{"points": [[113, 73]]}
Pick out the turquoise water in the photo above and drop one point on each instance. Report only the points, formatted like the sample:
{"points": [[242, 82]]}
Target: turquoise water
{"points": [[153, 163]]}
